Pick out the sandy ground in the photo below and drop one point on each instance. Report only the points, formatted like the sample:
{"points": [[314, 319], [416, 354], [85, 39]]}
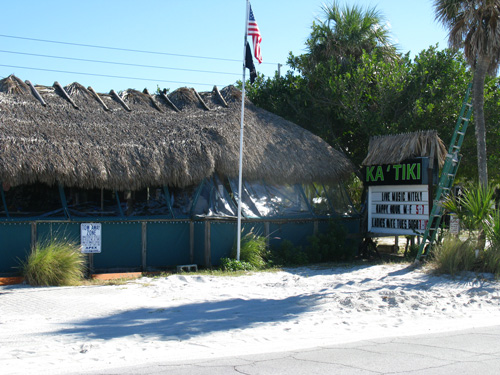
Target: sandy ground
{"points": [[60, 330]]}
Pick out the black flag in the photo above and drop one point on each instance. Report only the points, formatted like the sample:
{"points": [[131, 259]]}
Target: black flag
{"points": [[249, 64]]}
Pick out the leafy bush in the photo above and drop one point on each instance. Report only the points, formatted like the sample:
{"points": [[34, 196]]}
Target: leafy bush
{"points": [[286, 254], [492, 229], [252, 250], [454, 255], [54, 263], [473, 207], [228, 264], [330, 246]]}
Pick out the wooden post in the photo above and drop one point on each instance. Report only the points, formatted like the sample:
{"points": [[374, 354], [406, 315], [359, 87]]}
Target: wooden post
{"points": [[144, 245], [33, 235], [191, 242], [208, 255], [267, 233], [91, 265]]}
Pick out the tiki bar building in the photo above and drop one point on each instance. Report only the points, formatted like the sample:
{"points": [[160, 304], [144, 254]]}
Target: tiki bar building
{"points": [[159, 172]]}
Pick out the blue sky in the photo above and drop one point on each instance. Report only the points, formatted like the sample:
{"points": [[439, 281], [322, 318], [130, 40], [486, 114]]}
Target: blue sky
{"points": [[197, 28]]}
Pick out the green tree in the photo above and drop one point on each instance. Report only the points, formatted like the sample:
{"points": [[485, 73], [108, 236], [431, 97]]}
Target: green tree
{"points": [[373, 97], [346, 33], [475, 26]]}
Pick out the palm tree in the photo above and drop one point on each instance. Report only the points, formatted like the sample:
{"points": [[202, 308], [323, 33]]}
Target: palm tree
{"points": [[475, 26], [346, 33]]}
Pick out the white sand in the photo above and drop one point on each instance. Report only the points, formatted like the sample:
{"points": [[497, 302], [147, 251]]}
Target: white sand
{"points": [[57, 330]]}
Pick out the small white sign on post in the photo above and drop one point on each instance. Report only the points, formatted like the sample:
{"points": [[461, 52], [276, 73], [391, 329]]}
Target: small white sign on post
{"points": [[90, 238], [454, 224]]}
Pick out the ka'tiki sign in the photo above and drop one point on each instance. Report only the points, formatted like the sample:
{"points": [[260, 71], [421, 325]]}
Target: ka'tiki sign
{"points": [[398, 197], [409, 172]]}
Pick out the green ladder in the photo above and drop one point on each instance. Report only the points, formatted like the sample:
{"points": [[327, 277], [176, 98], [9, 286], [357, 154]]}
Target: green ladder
{"points": [[448, 174]]}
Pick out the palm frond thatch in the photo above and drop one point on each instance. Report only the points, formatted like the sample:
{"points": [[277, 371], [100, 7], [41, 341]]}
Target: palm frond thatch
{"points": [[393, 149], [99, 143]]}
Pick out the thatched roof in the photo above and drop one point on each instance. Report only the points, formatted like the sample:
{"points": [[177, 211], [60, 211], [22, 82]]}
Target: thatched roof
{"points": [[77, 137], [393, 149]]}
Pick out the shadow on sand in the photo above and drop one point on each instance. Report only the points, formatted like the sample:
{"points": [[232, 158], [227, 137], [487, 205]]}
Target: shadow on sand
{"points": [[190, 320]]}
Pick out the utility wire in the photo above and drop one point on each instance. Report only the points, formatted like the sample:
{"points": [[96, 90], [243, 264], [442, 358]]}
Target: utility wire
{"points": [[123, 49], [116, 63], [108, 76]]}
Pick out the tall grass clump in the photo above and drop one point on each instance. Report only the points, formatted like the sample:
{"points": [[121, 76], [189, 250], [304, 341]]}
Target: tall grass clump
{"points": [[476, 211], [253, 253], [454, 255], [54, 263]]}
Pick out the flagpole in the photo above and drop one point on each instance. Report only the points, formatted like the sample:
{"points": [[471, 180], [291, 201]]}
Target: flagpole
{"points": [[240, 169]]}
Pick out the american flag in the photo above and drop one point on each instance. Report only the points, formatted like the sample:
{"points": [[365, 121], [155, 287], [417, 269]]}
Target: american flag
{"points": [[253, 30]]}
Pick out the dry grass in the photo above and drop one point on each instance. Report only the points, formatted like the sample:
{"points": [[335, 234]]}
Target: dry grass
{"points": [[392, 149], [152, 144]]}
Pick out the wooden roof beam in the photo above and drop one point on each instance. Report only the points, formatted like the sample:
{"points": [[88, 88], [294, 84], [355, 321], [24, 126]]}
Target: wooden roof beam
{"points": [[65, 94], [96, 95], [163, 94], [201, 100], [36, 93], [145, 91], [117, 97], [220, 97]]}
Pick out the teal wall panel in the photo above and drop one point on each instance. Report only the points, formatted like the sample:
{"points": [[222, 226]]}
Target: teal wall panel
{"points": [[15, 244], [297, 233], [121, 247], [199, 242], [48, 231], [223, 238], [167, 244]]}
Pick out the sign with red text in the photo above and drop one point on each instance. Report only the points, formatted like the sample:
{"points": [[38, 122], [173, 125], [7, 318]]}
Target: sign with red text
{"points": [[398, 209]]}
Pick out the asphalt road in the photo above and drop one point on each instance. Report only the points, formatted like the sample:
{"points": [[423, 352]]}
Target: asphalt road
{"points": [[473, 351]]}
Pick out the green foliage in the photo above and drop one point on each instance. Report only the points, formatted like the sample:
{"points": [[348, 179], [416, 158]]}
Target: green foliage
{"points": [[473, 207], [232, 265], [330, 246], [476, 212], [286, 254], [412, 251], [454, 255], [346, 33], [347, 105], [252, 250], [345, 90], [491, 260], [492, 253], [492, 229], [54, 263]]}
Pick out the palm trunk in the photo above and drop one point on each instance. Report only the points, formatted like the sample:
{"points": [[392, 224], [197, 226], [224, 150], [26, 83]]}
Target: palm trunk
{"points": [[478, 101]]}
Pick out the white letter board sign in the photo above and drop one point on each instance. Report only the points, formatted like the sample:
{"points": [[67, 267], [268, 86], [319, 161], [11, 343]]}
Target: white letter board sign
{"points": [[398, 209], [90, 237]]}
